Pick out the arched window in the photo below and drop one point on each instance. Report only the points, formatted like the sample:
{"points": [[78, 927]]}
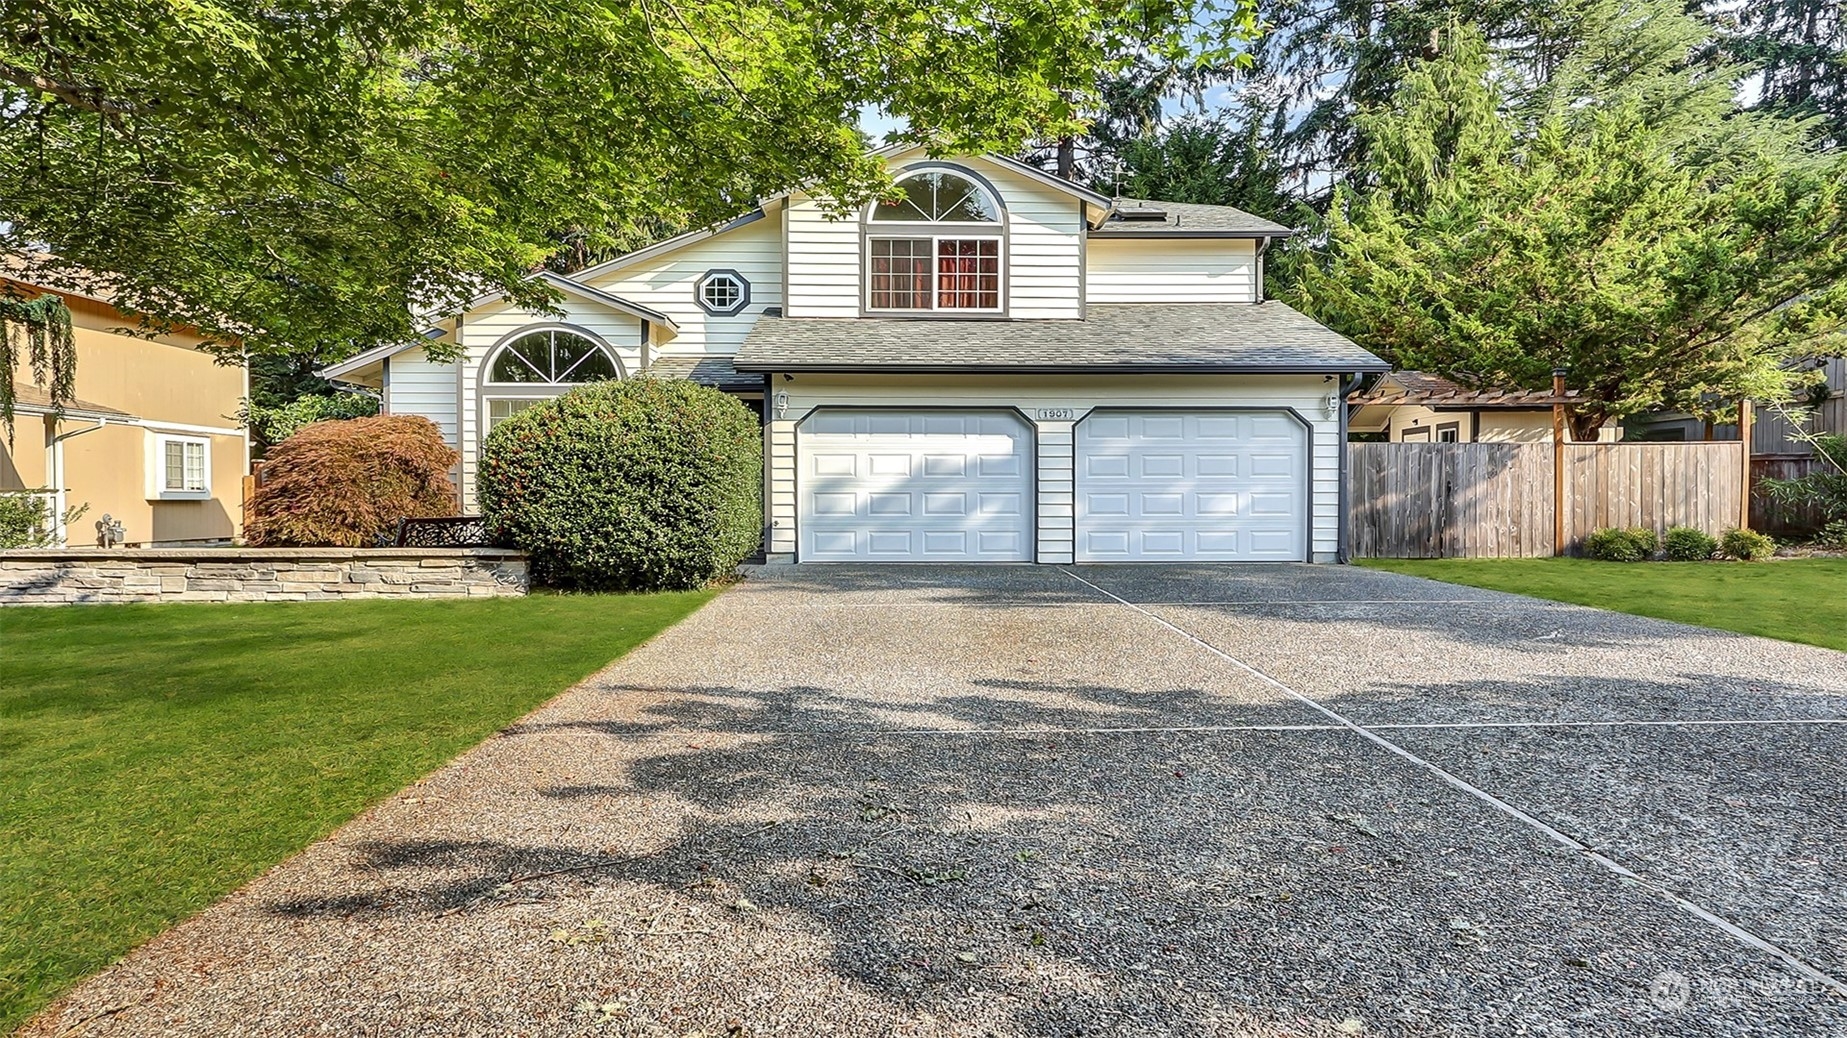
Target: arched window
{"points": [[540, 365], [934, 244]]}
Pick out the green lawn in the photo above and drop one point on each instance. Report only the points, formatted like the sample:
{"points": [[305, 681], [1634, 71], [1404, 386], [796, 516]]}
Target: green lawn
{"points": [[153, 758], [1797, 600]]}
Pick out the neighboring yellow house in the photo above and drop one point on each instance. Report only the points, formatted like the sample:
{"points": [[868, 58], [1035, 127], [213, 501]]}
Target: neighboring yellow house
{"points": [[152, 440], [1414, 407]]}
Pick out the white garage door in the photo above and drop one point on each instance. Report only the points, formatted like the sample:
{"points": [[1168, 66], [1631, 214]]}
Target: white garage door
{"points": [[1199, 486], [914, 486]]}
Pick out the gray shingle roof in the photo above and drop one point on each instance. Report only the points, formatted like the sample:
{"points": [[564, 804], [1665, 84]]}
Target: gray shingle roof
{"points": [[707, 371], [1186, 217], [1123, 337]]}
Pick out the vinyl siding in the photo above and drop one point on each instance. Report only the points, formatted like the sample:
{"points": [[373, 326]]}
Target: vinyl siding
{"points": [[1172, 270], [669, 284], [421, 387], [1044, 240], [1305, 395]]}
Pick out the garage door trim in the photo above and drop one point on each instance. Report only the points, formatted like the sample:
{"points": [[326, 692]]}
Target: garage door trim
{"points": [[1030, 460], [1308, 460]]}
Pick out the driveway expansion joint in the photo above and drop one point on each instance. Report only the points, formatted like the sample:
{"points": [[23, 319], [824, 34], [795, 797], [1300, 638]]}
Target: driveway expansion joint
{"points": [[1809, 971]]}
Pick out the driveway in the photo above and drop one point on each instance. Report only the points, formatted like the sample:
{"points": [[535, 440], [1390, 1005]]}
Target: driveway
{"points": [[1246, 801]]}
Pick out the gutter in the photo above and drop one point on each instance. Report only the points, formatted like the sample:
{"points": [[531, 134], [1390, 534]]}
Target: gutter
{"points": [[1048, 369], [1343, 554]]}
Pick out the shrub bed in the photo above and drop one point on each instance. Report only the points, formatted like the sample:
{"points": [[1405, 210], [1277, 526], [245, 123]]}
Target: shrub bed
{"points": [[346, 484], [1619, 544], [645, 485], [1688, 544], [1746, 546]]}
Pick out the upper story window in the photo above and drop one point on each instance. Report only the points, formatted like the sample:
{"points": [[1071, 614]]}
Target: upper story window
{"points": [[538, 366], [723, 293], [934, 245]]}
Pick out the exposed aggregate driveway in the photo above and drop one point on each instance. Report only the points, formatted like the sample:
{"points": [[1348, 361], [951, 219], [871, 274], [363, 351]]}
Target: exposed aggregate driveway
{"points": [[1255, 801]]}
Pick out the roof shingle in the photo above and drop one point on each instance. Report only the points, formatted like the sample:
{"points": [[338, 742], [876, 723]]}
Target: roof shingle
{"points": [[1185, 217], [1231, 338]]}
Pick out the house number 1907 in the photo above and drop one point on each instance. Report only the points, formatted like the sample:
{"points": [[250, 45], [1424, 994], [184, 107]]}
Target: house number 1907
{"points": [[1055, 414]]}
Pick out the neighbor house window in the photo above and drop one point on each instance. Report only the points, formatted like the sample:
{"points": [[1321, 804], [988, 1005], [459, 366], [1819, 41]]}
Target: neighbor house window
{"points": [[538, 366], [180, 466], [935, 244]]}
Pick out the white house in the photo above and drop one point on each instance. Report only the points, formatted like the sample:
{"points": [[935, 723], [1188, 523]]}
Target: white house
{"points": [[1001, 367]]}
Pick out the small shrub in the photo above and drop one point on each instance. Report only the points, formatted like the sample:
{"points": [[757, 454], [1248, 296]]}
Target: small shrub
{"points": [[347, 483], [24, 520], [1616, 544], [645, 485], [1688, 544], [1833, 535], [271, 425], [1746, 546]]}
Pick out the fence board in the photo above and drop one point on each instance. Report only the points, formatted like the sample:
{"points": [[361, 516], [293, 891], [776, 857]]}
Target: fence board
{"points": [[1494, 500], [1768, 516], [1439, 500]]}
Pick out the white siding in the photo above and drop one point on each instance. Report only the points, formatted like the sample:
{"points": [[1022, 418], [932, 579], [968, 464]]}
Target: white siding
{"points": [[1080, 394], [1044, 235], [419, 387], [669, 283], [1172, 270], [823, 257], [1056, 492], [484, 328]]}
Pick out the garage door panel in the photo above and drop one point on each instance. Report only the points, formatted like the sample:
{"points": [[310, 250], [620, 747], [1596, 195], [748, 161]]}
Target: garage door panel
{"points": [[1163, 486], [895, 485]]}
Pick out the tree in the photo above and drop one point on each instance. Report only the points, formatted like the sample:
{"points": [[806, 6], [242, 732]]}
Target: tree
{"points": [[1206, 161], [42, 326], [305, 176], [1799, 51], [1668, 252]]}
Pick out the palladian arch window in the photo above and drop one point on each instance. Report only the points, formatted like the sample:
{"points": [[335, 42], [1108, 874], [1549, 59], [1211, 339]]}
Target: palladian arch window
{"points": [[538, 366], [934, 244]]}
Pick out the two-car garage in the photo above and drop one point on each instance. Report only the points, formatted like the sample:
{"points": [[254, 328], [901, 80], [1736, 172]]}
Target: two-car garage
{"points": [[1134, 485]]}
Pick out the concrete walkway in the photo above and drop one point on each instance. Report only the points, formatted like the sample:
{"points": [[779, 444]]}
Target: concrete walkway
{"points": [[1253, 801]]}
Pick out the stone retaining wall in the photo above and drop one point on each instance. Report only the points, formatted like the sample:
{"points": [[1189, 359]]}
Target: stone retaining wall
{"points": [[60, 576]]}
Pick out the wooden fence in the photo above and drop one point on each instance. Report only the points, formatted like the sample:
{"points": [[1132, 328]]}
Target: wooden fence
{"points": [[1772, 517], [1495, 500]]}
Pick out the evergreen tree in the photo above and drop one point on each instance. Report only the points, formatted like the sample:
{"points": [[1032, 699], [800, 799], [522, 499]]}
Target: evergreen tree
{"points": [[1619, 221], [1799, 48]]}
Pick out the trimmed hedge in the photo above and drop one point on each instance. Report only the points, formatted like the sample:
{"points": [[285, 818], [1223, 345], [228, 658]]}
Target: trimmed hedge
{"points": [[1689, 544], [346, 484], [645, 485], [1617, 544], [1746, 546]]}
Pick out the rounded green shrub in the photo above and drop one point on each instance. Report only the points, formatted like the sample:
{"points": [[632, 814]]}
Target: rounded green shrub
{"points": [[1833, 535], [646, 485], [1746, 546], [1618, 544], [1688, 544]]}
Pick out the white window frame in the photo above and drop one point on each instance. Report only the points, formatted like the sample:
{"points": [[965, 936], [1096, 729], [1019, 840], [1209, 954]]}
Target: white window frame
{"points": [[490, 391], [893, 232], [157, 489]]}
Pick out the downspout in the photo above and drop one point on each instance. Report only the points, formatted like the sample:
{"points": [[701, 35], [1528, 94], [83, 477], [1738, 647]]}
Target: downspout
{"points": [[1344, 554], [647, 332], [54, 460]]}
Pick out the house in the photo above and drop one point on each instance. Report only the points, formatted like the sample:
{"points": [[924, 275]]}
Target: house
{"points": [[1772, 435], [152, 441], [1416, 407], [995, 365]]}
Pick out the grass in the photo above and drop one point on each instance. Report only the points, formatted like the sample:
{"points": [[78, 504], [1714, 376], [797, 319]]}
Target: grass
{"points": [[153, 758], [1795, 600]]}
